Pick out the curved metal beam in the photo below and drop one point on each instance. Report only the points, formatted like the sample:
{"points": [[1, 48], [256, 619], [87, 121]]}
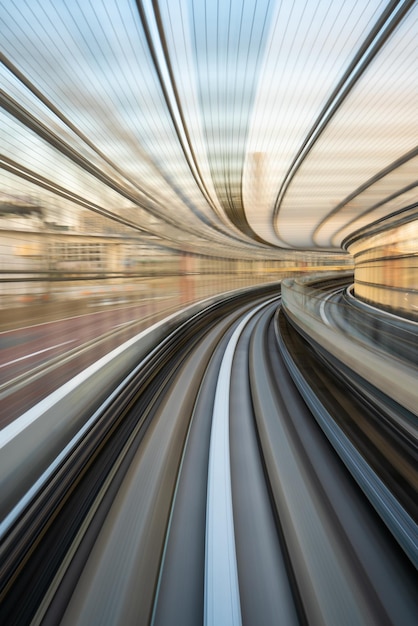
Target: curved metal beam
{"points": [[380, 33]]}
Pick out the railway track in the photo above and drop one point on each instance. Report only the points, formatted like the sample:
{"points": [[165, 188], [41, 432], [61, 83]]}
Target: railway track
{"points": [[204, 491]]}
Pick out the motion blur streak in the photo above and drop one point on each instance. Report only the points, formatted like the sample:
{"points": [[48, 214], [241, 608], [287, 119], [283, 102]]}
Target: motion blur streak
{"points": [[177, 177]]}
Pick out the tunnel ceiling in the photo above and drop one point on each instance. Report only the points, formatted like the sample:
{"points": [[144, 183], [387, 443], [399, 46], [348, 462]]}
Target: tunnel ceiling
{"points": [[248, 126]]}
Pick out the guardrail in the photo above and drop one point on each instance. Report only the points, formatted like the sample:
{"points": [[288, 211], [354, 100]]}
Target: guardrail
{"points": [[392, 376], [396, 334]]}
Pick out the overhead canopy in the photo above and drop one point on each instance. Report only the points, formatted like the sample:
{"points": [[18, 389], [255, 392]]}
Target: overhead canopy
{"points": [[242, 125]]}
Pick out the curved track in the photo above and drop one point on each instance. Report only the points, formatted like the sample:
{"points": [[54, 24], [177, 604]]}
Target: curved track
{"points": [[206, 493]]}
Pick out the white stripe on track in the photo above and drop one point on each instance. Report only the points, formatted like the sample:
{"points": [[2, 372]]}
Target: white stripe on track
{"points": [[222, 600]]}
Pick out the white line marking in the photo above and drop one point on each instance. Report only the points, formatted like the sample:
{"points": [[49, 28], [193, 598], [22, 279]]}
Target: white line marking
{"points": [[222, 600], [27, 356], [123, 324]]}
